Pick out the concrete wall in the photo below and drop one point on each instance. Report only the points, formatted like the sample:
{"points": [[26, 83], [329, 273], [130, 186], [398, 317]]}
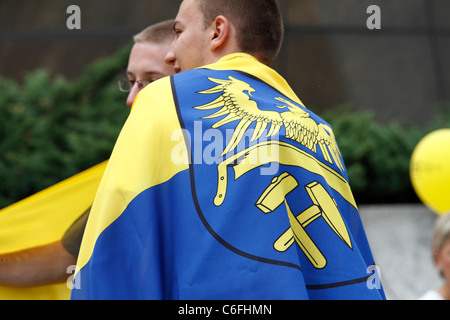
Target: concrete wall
{"points": [[400, 239]]}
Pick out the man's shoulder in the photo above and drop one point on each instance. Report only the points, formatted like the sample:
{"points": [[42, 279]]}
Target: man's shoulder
{"points": [[156, 88], [197, 73]]}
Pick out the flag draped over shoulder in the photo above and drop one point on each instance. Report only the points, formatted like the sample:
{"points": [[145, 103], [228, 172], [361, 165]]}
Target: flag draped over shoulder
{"points": [[42, 219], [222, 185]]}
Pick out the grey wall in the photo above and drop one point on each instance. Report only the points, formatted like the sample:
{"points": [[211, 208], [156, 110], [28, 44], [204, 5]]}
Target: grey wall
{"points": [[400, 239], [400, 72]]}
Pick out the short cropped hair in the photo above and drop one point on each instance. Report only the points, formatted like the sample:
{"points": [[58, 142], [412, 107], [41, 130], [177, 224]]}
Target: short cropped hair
{"points": [[159, 33], [258, 23]]}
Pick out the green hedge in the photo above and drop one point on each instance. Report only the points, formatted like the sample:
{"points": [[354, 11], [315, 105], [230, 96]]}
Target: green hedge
{"points": [[377, 156], [52, 128]]}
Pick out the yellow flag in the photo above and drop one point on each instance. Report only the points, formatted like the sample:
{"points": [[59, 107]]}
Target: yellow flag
{"points": [[43, 218]]}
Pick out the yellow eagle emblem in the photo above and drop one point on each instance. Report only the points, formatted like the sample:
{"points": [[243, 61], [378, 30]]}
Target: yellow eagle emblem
{"points": [[236, 105]]}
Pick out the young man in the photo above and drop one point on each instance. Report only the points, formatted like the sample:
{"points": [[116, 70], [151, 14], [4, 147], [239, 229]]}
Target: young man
{"points": [[222, 185], [48, 264], [147, 59]]}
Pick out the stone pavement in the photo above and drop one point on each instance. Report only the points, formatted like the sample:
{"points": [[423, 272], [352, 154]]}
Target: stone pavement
{"points": [[400, 238]]}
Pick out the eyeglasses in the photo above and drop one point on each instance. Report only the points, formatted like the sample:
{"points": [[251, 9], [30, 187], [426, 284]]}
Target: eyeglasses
{"points": [[126, 85]]}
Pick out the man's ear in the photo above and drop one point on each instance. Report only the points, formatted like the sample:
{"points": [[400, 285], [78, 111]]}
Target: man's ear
{"points": [[221, 32]]}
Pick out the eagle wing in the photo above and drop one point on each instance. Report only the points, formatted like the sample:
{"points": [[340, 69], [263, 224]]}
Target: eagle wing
{"points": [[299, 126], [303, 129], [235, 105]]}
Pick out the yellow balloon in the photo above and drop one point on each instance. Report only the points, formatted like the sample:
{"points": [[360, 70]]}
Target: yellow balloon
{"points": [[430, 171]]}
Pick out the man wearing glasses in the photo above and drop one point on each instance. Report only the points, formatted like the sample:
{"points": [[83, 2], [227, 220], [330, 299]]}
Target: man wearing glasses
{"points": [[48, 264], [146, 63]]}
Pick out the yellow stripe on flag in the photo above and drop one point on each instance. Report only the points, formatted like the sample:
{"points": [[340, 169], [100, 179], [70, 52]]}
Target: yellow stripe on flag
{"points": [[43, 218], [143, 121]]}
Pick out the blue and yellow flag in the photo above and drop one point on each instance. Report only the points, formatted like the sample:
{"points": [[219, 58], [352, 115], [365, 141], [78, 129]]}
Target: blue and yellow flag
{"points": [[222, 185], [43, 218]]}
